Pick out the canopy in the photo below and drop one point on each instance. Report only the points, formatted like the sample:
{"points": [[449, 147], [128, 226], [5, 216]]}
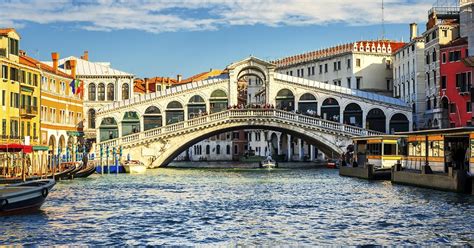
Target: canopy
{"points": [[15, 148]]}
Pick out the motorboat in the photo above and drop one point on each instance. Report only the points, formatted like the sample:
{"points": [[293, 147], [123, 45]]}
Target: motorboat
{"points": [[268, 163], [134, 167], [24, 197]]}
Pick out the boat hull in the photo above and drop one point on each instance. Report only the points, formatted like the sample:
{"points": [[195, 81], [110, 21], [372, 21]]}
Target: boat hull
{"points": [[110, 169], [24, 197], [135, 169]]}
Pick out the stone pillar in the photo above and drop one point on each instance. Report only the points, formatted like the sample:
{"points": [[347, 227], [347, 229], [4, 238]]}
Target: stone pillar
{"points": [[311, 152], [288, 147], [341, 114], [142, 124], [279, 144], [300, 150]]}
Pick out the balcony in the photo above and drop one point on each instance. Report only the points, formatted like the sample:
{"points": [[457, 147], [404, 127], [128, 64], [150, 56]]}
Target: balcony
{"points": [[28, 111]]}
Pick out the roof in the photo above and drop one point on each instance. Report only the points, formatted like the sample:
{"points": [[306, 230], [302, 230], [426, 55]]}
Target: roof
{"points": [[445, 131], [5, 31], [88, 68], [29, 61], [377, 47]]}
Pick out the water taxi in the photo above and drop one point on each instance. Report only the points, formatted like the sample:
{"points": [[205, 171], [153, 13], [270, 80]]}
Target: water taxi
{"points": [[134, 167]]}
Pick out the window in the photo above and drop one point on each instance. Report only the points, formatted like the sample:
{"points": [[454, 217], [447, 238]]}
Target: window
{"points": [[434, 55], [312, 70], [4, 72], [14, 74], [427, 59], [445, 33], [433, 35], [338, 65], [218, 149], [388, 85], [309, 71], [3, 97], [349, 82], [125, 92], [358, 62], [257, 137], [320, 69], [325, 67], [454, 56], [101, 92], [13, 46], [428, 79], [34, 130], [428, 104], [468, 107], [358, 80], [388, 64], [452, 108], [443, 82], [4, 127], [348, 63], [208, 149], [110, 92], [91, 92], [228, 149], [91, 117], [443, 58]]}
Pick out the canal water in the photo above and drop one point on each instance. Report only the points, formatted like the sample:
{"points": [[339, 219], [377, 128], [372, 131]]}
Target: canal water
{"points": [[242, 207]]}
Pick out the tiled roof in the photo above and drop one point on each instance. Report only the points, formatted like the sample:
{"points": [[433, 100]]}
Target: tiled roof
{"points": [[5, 31], [29, 61], [456, 42], [88, 68], [379, 47]]}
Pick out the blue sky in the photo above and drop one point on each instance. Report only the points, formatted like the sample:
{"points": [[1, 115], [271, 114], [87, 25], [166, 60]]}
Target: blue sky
{"points": [[165, 38]]}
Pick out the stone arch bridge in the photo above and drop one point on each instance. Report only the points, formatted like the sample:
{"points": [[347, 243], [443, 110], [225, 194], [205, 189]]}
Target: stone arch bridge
{"points": [[156, 127]]}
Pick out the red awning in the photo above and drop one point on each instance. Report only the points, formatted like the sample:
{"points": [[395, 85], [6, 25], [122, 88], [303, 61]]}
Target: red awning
{"points": [[16, 148]]}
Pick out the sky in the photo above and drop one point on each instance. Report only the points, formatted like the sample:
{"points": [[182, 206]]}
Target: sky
{"points": [[170, 37]]}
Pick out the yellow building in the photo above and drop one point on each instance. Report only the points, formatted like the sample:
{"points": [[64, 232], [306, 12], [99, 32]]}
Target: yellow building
{"points": [[61, 108], [19, 101]]}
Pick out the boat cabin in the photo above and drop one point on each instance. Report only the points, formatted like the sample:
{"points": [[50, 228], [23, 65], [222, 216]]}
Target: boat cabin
{"points": [[381, 151]]}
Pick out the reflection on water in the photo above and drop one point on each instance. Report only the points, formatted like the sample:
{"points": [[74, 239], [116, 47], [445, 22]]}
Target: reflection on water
{"points": [[242, 207]]}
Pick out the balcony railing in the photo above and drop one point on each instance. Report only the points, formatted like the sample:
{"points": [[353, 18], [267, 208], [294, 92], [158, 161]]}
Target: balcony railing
{"points": [[28, 110]]}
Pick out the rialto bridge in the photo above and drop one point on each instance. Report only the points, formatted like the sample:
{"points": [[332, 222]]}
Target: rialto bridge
{"points": [[157, 127]]}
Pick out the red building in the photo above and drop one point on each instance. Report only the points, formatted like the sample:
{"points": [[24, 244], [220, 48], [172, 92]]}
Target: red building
{"points": [[456, 78]]}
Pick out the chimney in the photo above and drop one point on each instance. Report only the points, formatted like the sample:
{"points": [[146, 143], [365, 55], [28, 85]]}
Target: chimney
{"points": [[413, 31], [146, 85], [179, 77], [72, 64], [22, 53], [55, 58], [86, 56]]}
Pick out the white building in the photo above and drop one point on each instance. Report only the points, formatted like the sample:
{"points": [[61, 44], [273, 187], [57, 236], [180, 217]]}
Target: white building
{"points": [[103, 85], [442, 27], [409, 76], [365, 65], [467, 23]]}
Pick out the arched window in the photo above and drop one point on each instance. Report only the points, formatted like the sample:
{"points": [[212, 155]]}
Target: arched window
{"points": [[174, 112], [218, 101], [110, 92], [91, 118], [125, 92], [228, 150], [91, 92], [208, 149], [218, 149], [101, 92]]}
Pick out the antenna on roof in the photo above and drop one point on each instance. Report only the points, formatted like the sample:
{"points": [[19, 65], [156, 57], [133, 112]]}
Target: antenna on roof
{"points": [[383, 22]]}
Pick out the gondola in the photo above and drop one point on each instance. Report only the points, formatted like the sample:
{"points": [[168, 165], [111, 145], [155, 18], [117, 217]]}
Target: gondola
{"points": [[89, 170], [11, 180], [78, 167], [24, 197], [63, 174]]}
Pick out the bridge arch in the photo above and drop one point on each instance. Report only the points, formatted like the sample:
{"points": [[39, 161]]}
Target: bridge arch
{"points": [[108, 129], [171, 149], [308, 104], [196, 106], [285, 100], [174, 112], [330, 109], [376, 120], [218, 101], [152, 118], [353, 115], [399, 123]]}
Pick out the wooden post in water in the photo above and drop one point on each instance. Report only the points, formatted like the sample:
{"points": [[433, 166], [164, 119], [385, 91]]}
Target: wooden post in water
{"points": [[23, 172]]}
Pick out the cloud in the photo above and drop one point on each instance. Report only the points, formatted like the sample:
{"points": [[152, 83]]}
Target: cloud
{"points": [[194, 15]]}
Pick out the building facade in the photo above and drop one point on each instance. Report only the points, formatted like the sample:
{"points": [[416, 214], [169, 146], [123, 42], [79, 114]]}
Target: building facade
{"points": [[364, 65], [409, 76], [456, 83], [442, 27]]}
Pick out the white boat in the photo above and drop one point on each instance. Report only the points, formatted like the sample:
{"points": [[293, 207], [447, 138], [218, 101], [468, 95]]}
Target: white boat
{"points": [[268, 164], [134, 167]]}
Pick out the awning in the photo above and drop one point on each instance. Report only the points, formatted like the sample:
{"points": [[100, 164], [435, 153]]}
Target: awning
{"points": [[16, 148], [75, 133], [40, 148]]}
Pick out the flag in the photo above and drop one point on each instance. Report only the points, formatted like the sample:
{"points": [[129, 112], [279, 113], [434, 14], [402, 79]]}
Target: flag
{"points": [[78, 87], [73, 86]]}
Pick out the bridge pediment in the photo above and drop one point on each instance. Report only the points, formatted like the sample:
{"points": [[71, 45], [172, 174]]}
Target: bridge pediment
{"points": [[251, 61]]}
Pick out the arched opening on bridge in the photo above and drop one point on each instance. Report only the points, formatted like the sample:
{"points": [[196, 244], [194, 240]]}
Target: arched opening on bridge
{"points": [[196, 107], [330, 109], [308, 105], [91, 118], [174, 112], [251, 85], [110, 92], [376, 120], [218, 101], [399, 123], [152, 118], [130, 123], [353, 115], [285, 100], [108, 129]]}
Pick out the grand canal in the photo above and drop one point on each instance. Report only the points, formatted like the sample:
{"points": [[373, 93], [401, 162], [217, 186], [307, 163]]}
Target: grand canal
{"points": [[242, 207]]}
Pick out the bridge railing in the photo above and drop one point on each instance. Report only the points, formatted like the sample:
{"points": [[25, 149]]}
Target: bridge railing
{"points": [[239, 113]]}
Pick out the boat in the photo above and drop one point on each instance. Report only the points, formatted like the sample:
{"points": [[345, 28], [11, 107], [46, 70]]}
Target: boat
{"points": [[63, 174], [77, 167], [332, 164], [268, 163], [112, 169], [24, 197], [11, 180], [85, 172], [134, 167]]}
